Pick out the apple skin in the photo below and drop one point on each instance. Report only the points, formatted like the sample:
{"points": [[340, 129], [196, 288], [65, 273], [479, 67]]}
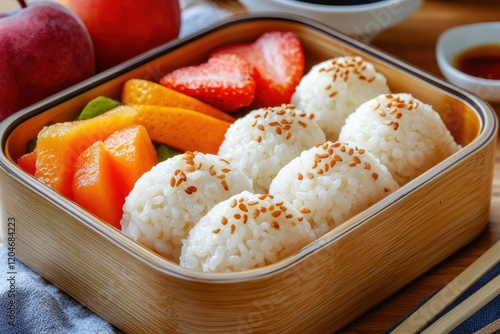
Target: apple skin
{"points": [[122, 29], [44, 49]]}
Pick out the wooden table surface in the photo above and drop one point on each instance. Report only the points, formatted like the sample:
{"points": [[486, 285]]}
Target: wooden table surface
{"points": [[414, 41]]}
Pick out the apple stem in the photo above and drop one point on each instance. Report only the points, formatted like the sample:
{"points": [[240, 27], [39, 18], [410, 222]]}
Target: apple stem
{"points": [[22, 3]]}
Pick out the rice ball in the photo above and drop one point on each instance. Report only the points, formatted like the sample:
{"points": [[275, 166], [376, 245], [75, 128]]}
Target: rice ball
{"points": [[332, 182], [244, 232], [407, 135], [170, 199], [334, 88], [266, 139]]}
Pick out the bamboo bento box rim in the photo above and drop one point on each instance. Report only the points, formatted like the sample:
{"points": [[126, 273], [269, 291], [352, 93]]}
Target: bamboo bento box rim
{"points": [[487, 131]]}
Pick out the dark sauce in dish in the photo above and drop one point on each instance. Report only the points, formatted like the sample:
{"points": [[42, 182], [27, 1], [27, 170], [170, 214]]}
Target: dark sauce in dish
{"points": [[481, 61], [340, 2]]}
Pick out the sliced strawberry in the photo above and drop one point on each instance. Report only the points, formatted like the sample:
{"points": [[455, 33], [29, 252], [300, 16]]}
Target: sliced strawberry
{"points": [[225, 81], [279, 59]]}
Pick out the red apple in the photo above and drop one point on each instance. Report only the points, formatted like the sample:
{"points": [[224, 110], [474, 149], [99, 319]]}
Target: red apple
{"points": [[44, 48], [122, 29]]}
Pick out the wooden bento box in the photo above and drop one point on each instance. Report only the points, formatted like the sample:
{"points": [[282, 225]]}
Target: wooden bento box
{"points": [[321, 288]]}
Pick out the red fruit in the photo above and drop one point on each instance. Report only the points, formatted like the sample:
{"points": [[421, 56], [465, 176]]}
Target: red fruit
{"points": [[225, 82], [279, 59]]}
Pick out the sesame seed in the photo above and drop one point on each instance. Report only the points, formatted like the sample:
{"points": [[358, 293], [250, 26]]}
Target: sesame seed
{"points": [[255, 213], [300, 177], [233, 203], [276, 213], [367, 165], [275, 224], [224, 221], [217, 230], [191, 189], [224, 185], [172, 181], [243, 207], [310, 175], [375, 176], [233, 227], [237, 216], [305, 210]]}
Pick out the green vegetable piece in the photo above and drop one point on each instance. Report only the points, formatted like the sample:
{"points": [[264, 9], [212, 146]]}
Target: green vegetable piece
{"points": [[164, 152], [97, 106]]}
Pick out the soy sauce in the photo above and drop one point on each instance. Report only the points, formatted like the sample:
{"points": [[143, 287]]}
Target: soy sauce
{"points": [[482, 61], [340, 2]]}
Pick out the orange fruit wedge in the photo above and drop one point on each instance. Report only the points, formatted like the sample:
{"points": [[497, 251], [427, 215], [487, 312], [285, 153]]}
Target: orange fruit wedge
{"points": [[132, 154], [138, 91], [27, 162], [60, 144], [182, 129], [95, 185]]}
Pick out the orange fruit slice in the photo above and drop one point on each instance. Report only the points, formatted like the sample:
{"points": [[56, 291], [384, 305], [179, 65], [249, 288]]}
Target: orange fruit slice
{"points": [[27, 162], [182, 129], [95, 185], [137, 91], [132, 154], [59, 145]]}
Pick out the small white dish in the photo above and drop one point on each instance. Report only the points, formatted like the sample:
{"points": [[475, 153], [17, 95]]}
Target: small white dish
{"points": [[453, 42], [362, 21]]}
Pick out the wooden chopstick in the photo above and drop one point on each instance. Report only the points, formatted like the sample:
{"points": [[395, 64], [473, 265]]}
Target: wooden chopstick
{"points": [[436, 304], [465, 309]]}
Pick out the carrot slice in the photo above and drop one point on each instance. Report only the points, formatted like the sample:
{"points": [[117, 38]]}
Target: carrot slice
{"points": [[95, 185], [27, 162], [137, 91], [182, 129], [59, 145], [132, 154]]}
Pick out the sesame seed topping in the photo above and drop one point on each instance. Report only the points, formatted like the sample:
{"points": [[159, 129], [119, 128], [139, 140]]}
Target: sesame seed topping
{"points": [[305, 210], [375, 176]]}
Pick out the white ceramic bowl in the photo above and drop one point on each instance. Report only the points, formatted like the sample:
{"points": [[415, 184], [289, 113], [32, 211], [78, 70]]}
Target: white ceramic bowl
{"points": [[458, 39], [362, 21]]}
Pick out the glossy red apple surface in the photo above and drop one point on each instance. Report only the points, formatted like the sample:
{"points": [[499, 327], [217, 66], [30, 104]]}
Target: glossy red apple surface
{"points": [[122, 29], [44, 48]]}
